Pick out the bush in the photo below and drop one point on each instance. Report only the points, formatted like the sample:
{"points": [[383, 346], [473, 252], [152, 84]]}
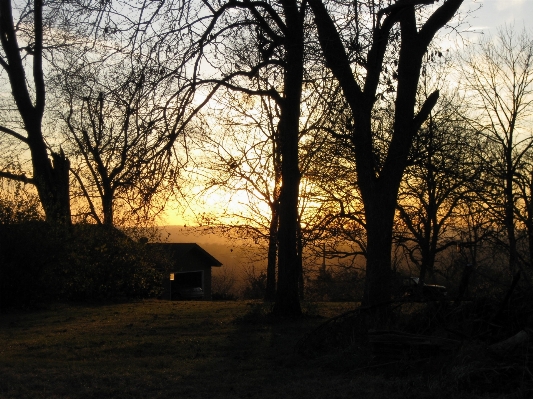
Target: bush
{"points": [[345, 285], [255, 284], [18, 204], [102, 263], [85, 263], [223, 285], [27, 254]]}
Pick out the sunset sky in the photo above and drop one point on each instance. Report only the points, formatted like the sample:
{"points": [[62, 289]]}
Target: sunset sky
{"points": [[480, 16]]}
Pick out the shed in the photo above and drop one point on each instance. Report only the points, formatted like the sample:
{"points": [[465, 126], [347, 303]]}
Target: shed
{"points": [[186, 266]]}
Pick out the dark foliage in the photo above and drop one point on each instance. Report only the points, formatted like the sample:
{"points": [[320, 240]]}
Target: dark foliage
{"points": [[342, 286], [27, 253], [476, 345], [20, 208], [40, 263], [217, 296], [255, 287]]}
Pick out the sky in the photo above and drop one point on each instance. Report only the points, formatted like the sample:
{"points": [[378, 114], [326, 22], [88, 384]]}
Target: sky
{"points": [[494, 13], [481, 16]]}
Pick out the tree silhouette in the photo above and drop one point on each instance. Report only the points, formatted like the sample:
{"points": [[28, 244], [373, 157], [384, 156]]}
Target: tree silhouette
{"points": [[379, 182]]}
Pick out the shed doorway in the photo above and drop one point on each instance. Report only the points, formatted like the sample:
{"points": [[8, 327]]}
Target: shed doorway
{"points": [[187, 285]]}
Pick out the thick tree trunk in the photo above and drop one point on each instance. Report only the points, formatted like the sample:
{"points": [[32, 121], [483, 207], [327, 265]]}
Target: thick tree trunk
{"points": [[107, 207], [379, 221], [51, 178], [270, 292], [287, 300]]}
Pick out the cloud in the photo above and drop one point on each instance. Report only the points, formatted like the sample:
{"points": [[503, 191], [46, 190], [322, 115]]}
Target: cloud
{"points": [[506, 4]]}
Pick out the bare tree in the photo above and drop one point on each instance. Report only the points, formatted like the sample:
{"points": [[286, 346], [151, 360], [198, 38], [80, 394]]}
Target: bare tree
{"points": [[379, 182], [122, 130], [50, 176], [271, 42], [242, 158], [438, 181], [499, 76]]}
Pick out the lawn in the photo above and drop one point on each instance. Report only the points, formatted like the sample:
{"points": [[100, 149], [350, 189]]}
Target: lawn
{"points": [[162, 349]]}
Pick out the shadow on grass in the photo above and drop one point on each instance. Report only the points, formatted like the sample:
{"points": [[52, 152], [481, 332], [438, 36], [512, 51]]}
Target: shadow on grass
{"points": [[161, 349]]}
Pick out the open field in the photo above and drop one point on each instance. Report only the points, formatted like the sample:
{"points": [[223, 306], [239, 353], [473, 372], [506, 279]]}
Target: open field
{"points": [[161, 349]]}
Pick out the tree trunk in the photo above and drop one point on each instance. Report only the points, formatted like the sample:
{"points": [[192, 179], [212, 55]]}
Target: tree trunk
{"points": [[287, 300], [51, 178], [270, 292], [107, 208], [379, 221]]}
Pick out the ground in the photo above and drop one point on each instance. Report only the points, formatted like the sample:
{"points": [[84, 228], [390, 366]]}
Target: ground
{"points": [[162, 349]]}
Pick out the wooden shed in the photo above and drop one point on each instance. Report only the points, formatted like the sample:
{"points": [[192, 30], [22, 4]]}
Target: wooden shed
{"points": [[187, 266]]}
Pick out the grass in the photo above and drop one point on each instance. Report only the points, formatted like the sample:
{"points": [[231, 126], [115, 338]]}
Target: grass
{"points": [[162, 349]]}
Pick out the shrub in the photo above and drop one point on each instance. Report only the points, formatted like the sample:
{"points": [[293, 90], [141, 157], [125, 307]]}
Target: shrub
{"points": [[86, 263], [18, 204], [223, 285], [255, 284], [103, 263], [344, 285], [27, 254]]}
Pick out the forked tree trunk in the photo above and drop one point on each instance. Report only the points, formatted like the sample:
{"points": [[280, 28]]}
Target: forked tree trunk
{"points": [[379, 186], [51, 177], [52, 183]]}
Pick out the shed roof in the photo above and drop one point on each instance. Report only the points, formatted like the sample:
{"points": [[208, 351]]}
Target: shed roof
{"points": [[178, 250]]}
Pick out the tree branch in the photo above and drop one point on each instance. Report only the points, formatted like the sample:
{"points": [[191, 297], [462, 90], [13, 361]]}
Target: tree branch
{"points": [[12, 176], [425, 110], [14, 134], [334, 52]]}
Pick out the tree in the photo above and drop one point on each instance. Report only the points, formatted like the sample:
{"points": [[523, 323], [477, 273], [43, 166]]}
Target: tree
{"points": [[499, 75], [119, 124], [242, 158], [50, 177], [438, 181], [90, 33], [379, 183], [271, 43]]}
